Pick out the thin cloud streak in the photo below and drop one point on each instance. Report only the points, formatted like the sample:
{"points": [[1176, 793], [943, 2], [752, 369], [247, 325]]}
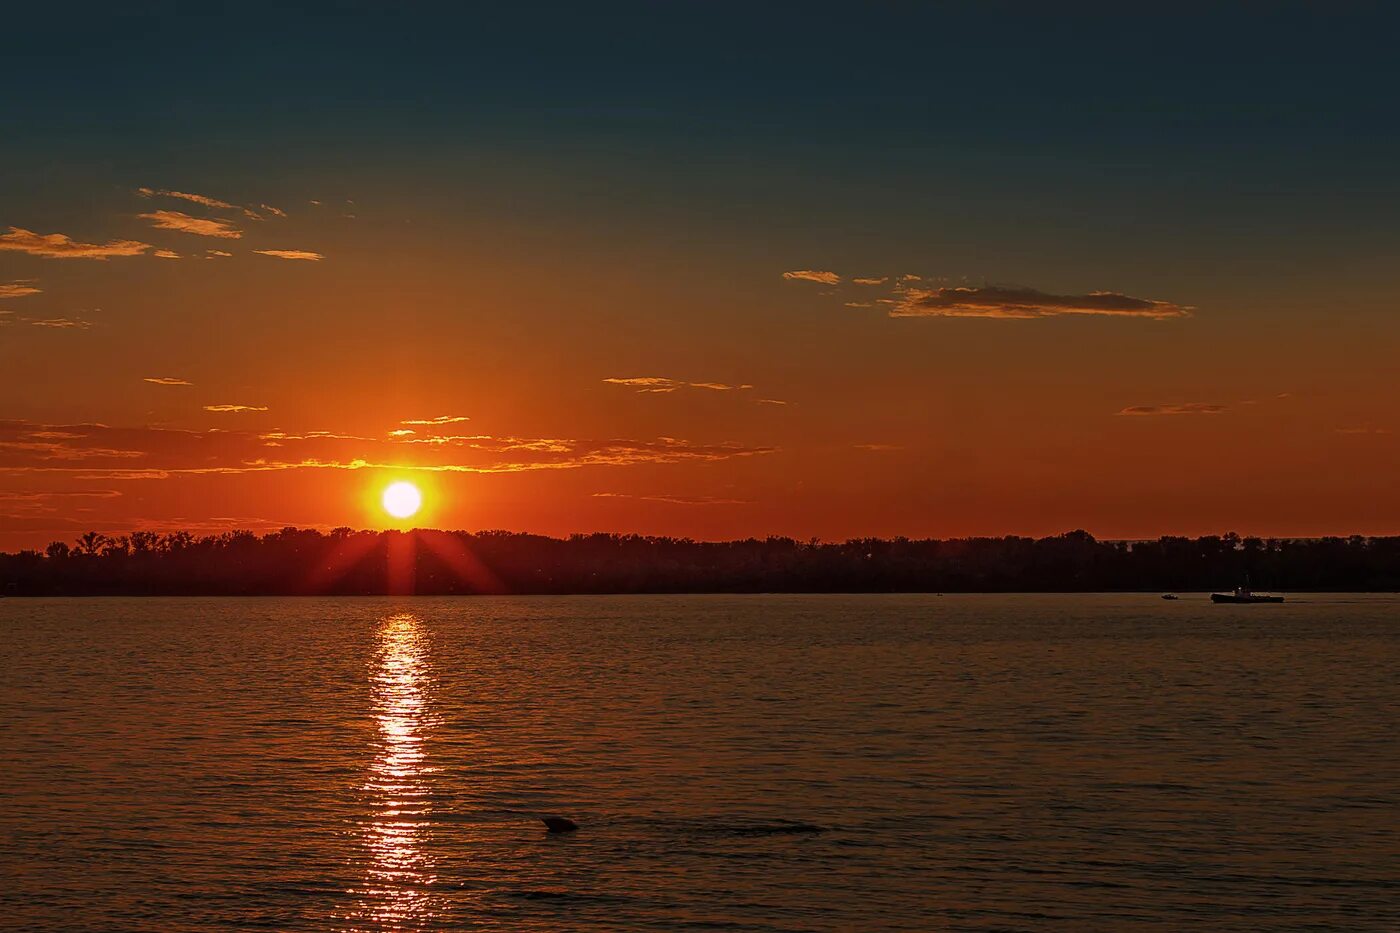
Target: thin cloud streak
{"points": [[1024, 304], [166, 381], [235, 408], [199, 226], [1187, 408], [61, 323], [909, 298], [819, 276], [61, 246], [664, 385], [290, 254], [440, 419], [18, 290], [100, 451], [674, 500], [185, 196]]}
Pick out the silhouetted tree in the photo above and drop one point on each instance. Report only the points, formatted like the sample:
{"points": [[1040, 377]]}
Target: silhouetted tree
{"points": [[301, 561]]}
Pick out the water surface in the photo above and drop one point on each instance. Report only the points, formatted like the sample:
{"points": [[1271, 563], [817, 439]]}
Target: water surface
{"points": [[796, 763]]}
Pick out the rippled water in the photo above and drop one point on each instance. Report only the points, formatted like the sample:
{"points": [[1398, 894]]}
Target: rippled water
{"points": [[748, 763]]}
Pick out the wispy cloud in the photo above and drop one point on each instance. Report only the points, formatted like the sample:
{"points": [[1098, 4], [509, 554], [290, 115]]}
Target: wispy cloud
{"points": [[166, 381], [879, 448], [813, 275], [909, 297], [290, 254], [18, 290], [235, 408], [274, 211], [100, 451], [661, 384], [199, 226], [211, 253], [673, 500], [39, 500], [61, 246], [1023, 304], [61, 323], [772, 401], [440, 419], [1362, 429], [185, 196], [1186, 408], [166, 254]]}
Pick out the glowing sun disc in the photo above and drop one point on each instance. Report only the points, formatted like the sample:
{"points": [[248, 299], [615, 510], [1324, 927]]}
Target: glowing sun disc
{"points": [[402, 499]]}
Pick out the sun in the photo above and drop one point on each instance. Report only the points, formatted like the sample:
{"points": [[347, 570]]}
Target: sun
{"points": [[402, 499]]}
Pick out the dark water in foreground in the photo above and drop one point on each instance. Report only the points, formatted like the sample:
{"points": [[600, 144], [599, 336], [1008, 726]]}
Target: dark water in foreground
{"points": [[976, 762]]}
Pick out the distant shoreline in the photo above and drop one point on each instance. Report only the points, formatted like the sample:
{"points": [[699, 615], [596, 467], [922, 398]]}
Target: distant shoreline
{"points": [[298, 562], [1197, 597]]}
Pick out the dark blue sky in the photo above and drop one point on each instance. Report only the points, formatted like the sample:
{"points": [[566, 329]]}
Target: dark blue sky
{"points": [[1297, 77]]}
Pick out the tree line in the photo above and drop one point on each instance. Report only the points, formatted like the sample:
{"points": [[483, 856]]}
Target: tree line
{"points": [[348, 562]]}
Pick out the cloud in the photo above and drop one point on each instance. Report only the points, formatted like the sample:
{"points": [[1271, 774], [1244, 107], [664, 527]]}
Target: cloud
{"points": [[18, 290], [1023, 303], [166, 254], [199, 226], [66, 450], [235, 408], [661, 384], [274, 211], [647, 383], [910, 298], [61, 323], [878, 448], [60, 246], [674, 500], [772, 401], [211, 253], [1187, 408], [813, 275], [290, 254], [166, 381], [1365, 429], [440, 419], [97, 451], [196, 198]]}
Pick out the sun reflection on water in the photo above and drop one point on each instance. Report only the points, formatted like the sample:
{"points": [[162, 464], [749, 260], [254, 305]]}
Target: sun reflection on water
{"points": [[398, 889]]}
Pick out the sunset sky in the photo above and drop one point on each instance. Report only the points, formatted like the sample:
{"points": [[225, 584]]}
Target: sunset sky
{"points": [[714, 273]]}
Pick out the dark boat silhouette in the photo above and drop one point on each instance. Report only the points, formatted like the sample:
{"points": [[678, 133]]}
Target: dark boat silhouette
{"points": [[1243, 594], [1170, 596]]}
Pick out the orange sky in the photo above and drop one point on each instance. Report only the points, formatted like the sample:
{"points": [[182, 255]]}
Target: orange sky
{"points": [[653, 320]]}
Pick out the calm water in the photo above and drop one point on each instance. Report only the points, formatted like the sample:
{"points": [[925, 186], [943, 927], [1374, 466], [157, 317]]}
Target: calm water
{"points": [[975, 762]]}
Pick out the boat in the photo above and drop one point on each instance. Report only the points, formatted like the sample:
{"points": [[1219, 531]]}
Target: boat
{"points": [[1170, 596], [1243, 594]]}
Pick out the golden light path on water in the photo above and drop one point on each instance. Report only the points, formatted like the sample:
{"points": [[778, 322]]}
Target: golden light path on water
{"points": [[398, 888]]}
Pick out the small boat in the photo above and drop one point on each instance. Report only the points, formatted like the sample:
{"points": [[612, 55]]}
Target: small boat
{"points": [[1243, 594], [1170, 596]]}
